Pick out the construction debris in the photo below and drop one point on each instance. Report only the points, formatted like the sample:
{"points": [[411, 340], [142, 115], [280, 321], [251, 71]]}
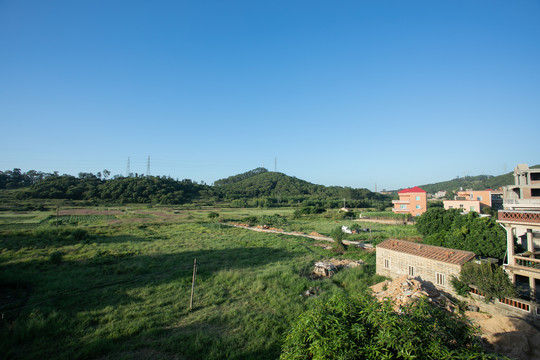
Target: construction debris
{"points": [[406, 289], [329, 267]]}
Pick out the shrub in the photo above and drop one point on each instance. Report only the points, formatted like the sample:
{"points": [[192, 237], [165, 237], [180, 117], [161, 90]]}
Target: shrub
{"points": [[488, 278], [362, 328], [56, 257]]}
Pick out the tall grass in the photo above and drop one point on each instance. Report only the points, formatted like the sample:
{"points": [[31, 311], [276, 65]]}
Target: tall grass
{"points": [[123, 291]]}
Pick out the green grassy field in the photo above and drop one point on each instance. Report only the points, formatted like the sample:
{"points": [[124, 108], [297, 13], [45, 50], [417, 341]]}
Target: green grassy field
{"points": [[118, 286]]}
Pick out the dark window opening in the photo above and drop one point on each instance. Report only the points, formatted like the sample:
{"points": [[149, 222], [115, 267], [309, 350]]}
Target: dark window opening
{"points": [[535, 192], [535, 176]]}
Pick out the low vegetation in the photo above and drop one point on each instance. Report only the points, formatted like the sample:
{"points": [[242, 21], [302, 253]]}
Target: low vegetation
{"points": [[359, 327], [120, 288]]}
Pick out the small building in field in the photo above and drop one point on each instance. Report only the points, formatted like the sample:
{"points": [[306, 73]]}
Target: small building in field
{"points": [[411, 201], [433, 264]]}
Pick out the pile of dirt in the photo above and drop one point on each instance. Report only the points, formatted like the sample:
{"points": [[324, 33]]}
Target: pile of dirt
{"points": [[406, 289], [266, 227], [314, 233], [510, 336]]}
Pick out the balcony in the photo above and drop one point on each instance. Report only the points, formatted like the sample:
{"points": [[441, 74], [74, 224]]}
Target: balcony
{"points": [[527, 262], [528, 217], [401, 202], [522, 203]]}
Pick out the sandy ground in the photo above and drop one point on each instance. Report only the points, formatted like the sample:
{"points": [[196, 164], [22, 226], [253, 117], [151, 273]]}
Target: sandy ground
{"points": [[509, 336]]}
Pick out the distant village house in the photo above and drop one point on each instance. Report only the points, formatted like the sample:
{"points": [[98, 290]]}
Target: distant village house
{"points": [[411, 201]]}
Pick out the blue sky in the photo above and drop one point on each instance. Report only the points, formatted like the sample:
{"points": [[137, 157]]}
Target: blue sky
{"points": [[348, 93]]}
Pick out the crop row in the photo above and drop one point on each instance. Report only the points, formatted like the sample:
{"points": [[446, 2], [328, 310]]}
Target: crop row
{"points": [[76, 219]]}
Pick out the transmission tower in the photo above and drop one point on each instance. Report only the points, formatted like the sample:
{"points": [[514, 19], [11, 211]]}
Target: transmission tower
{"points": [[148, 166], [275, 164], [128, 171]]}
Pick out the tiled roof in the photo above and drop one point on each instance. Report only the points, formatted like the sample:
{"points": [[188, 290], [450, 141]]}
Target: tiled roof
{"points": [[452, 256], [415, 189]]}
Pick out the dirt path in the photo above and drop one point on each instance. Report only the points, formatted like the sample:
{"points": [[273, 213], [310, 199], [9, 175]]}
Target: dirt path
{"points": [[315, 237]]}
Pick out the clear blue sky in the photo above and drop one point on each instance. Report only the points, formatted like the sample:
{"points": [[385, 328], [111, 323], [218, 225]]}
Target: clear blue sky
{"points": [[349, 93]]}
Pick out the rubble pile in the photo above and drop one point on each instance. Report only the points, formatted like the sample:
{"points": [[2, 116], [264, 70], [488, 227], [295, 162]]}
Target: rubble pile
{"points": [[324, 269], [314, 233], [406, 289], [329, 267]]}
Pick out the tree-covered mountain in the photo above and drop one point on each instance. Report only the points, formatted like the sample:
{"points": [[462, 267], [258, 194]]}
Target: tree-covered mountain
{"points": [[479, 182], [258, 187]]}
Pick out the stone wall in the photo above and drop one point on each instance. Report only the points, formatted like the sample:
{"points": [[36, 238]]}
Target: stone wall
{"points": [[424, 268]]}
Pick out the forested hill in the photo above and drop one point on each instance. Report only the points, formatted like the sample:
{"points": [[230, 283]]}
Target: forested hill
{"points": [[479, 182], [257, 187], [267, 187]]}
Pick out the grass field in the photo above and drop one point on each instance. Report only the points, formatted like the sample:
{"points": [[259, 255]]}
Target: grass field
{"points": [[118, 286]]}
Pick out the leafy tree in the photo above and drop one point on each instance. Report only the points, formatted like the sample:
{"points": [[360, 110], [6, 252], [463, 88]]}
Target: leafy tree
{"points": [[448, 228], [346, 327], [488, 278]]}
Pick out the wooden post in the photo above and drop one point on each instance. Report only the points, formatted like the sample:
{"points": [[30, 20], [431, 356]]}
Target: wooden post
{"points": [[193, 283]]}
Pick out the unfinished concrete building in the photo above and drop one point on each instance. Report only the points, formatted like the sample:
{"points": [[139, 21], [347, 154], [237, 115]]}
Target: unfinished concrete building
{"points": [[521, 219]]}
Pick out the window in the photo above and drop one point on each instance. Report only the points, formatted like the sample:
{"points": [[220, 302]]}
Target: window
{"points": [[418, 207], [411, 270], [479, 198], [418, 198], [402, 206], [472, 208], [440, 279], [461, 206], [387, 263]]}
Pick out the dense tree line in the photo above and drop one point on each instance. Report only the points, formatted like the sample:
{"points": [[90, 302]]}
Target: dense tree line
{"points": [[236, 178], [15, 179], [451, 229], [255, 188], [144, 189]]}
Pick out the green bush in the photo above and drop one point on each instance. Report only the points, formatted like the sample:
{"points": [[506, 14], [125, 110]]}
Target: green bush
{"points": [[489, 279], [347, 327], [56, 257]]}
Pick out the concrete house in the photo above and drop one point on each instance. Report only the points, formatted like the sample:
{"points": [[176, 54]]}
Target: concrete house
{"points": [[521, 220], [470, 200], [433, 264], [411, 201]]}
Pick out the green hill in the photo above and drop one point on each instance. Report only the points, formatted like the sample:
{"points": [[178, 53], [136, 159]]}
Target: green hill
{"points": [[479, 182]]}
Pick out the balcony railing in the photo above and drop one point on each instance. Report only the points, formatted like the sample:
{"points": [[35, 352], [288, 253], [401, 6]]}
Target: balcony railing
{"points": [[527, 262], [532, 217], [401, 202], [528, 202]]}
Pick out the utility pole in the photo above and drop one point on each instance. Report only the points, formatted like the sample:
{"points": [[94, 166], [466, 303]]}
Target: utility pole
{"points": [[148, 166], [128, 170], [193, 283]]}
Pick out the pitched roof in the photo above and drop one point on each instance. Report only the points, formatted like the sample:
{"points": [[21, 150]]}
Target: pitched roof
{"points": [[415, 189], [451, 256]]}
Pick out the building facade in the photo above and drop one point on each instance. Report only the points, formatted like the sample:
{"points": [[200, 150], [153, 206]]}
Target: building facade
{"points": [[411, 201], [433, 264], [470, 200], [521, 219]]}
